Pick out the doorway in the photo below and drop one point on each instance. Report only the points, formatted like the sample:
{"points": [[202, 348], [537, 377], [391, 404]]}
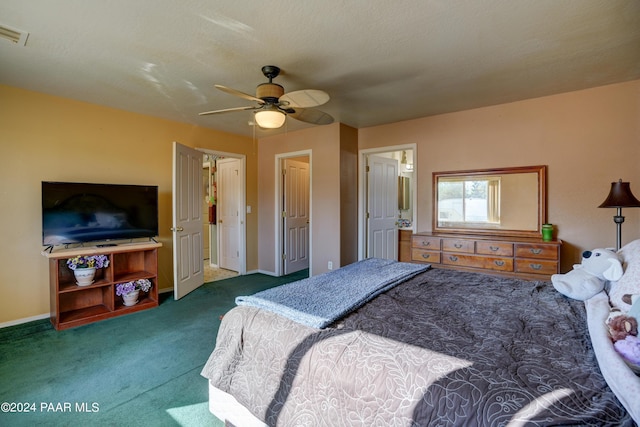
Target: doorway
{"points": [[221, 230], [377, 236], [293, 212]]}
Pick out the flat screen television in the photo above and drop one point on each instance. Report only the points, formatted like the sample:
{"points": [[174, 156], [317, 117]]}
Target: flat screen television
{"points": [[74, 212]]}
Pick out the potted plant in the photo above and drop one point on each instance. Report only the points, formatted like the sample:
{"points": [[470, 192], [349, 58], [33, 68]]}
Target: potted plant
{"points": [[84, 267], [129, 291]]}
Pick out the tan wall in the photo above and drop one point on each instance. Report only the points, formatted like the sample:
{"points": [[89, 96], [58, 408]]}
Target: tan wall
{"points": [[587, 138], [348, 195], [323, 142], [49, 138]]}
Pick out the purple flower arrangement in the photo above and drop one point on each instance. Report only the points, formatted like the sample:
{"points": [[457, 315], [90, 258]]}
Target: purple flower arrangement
{"points": [[128, 287], [88, 261]]}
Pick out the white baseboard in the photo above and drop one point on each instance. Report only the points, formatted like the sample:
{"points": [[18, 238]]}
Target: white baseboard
{"points": [[268, 273], [24, 320]]}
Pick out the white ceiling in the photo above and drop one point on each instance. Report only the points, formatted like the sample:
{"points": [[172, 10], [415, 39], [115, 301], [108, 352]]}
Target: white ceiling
{"points": [[381, 61]]}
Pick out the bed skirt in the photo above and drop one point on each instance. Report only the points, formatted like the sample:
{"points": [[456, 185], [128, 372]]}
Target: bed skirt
{"points": [[227, 409]]}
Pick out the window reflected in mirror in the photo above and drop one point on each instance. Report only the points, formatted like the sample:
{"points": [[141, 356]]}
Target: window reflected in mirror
{"points": [[500, 201]]}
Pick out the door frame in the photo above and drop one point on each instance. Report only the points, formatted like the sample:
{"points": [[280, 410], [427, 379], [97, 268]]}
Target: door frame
{"points": [[242, 246], [278, 208], [362, 189]]}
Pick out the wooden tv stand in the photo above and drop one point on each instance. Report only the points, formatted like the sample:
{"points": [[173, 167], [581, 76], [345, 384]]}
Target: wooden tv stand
{"points": [[72, 305]]}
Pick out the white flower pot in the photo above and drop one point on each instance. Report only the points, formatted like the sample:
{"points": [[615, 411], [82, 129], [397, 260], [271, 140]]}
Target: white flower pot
{"points": [[131, 298], [84, 276]]}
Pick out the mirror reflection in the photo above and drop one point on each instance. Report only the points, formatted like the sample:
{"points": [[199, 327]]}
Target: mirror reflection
{"points": [[507, 201]]}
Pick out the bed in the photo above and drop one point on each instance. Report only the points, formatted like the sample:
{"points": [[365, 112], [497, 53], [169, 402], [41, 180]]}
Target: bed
{"points": [[439, 347]]}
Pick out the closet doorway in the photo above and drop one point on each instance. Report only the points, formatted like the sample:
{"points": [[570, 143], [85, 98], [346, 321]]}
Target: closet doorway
{"points": [[293, 212], [223, 213]]}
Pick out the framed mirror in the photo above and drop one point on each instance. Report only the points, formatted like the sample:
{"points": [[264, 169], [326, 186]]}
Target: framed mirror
{"points": [[505, 201]]}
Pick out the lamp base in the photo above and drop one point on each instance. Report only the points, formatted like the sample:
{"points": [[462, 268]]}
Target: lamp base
{"points": [[618, 219]]}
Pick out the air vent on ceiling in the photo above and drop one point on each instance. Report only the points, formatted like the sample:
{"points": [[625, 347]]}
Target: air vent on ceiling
{"points": [[14, 36]]}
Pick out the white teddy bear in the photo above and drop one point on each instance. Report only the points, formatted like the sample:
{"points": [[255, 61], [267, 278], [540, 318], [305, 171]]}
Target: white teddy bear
{"points": [[588, 278]]}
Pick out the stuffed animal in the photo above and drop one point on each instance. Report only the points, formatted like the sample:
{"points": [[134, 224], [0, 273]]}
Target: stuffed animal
{"points": [[588, 278], [622, 291], [621, 326]]}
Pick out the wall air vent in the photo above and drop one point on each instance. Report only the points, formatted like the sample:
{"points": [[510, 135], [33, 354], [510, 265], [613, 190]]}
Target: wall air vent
{"points": [[14, 36]]}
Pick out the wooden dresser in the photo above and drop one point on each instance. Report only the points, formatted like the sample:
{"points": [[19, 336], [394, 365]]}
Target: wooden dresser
{"points": [[523, 257], [404, 245]]}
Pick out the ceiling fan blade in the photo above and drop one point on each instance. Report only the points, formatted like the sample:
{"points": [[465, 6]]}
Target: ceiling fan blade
{"points": [[310, 115], [306, 98], [238, 93], [227, 110]]}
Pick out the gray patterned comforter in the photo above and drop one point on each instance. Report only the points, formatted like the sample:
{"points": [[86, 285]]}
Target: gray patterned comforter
{"points": [[445, 348]]}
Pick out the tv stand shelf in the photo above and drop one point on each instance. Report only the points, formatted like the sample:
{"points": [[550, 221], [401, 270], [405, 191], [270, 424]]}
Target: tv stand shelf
{"points": [[72, 305]]}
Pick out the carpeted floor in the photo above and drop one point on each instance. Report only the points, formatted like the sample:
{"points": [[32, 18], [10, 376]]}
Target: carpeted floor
{"points": [[141, 369]]}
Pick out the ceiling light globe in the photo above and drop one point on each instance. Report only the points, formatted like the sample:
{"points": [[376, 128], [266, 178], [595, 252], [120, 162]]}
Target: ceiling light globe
{"points": [[270, 119]]}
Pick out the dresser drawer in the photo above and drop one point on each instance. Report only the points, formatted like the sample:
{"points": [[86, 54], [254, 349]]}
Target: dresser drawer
{"points": [[530, 250], [494, 248], [421, 255], [426, 242], [483, 262], [536, 266], [458, 245]]}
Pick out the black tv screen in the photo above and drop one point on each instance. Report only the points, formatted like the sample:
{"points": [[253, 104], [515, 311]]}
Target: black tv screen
{"points": [[74, 212]]}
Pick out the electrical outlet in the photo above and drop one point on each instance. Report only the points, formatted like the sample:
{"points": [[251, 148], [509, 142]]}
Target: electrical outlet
{"points": [[330, 265]]}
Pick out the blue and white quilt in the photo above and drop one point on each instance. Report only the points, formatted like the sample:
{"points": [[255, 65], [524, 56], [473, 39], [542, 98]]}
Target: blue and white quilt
{"points": [[321, 300]]}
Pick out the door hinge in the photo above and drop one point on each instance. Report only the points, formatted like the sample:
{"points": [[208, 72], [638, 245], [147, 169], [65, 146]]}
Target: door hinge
{"points": [[284, 257], [284, 214], [367, 168], [367, 215]]}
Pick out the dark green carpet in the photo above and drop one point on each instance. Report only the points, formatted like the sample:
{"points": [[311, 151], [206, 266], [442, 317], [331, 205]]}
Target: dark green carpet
{"points": [[139, 369]]}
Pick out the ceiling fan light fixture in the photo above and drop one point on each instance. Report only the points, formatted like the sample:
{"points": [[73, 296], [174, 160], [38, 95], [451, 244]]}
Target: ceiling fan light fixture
{"points": [[270, 118]]}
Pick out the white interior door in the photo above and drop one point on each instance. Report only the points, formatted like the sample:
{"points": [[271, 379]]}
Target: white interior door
{"points": [[295, 215], [188, 269], [382, 209], [206, 227], [230, 206]]}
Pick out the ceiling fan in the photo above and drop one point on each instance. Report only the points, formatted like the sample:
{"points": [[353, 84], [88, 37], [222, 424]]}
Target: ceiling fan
{"points": [[274, 105]]}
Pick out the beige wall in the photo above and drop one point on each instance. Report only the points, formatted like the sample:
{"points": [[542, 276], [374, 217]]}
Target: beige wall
{"points": [[348, 195], [587, 138], [49, 138], [323, 143]]}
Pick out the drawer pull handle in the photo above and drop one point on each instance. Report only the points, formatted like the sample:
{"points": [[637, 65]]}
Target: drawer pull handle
{"points": [[535, 266], [494, 248], [457, 245], [426, 243], [499, 263], [453, 258], [536, 251], [426, 256]]}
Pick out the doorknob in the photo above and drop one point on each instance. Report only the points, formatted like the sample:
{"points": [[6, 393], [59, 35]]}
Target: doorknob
{"points": [[176, 229]]}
